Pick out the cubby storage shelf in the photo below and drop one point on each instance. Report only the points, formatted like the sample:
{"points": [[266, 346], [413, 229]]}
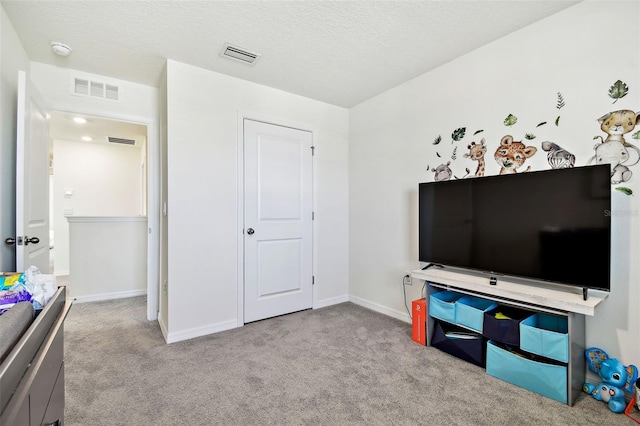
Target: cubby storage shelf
{"points": [[549, 321]]}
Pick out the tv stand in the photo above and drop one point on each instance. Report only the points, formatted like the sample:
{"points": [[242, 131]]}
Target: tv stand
{"points": [[569, 304]]}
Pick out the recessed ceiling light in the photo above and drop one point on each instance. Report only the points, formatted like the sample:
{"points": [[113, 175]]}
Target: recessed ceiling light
{"points": [[87, 138], [79, 120], [60, 48]]}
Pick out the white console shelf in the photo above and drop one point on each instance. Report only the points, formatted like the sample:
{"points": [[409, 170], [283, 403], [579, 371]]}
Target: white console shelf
{"points": [[545, 296], [557, 300]]}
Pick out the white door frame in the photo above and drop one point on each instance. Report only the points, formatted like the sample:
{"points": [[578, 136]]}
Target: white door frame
{"points": [[153, 201], [242, 115]]}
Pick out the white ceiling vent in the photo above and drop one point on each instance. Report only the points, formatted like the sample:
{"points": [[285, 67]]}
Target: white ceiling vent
{"points": [[95, 89], [122, 141], [239, 54], [81, 87], [111, 92]]}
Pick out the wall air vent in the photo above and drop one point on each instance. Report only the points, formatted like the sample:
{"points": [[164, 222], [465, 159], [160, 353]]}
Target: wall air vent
{"points": [[81, 86], [239, 54], [95, 89], [111, 92], [122, 141]]}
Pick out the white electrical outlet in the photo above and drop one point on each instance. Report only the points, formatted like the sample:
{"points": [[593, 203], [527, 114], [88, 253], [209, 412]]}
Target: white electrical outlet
{"points": [[407, 280]]}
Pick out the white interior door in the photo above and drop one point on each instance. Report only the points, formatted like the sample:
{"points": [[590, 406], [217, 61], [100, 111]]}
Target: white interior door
{"points": [[278, 226], [32, 180]]}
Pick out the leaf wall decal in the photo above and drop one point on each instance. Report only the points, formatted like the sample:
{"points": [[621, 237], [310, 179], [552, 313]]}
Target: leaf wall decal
{"points": [[618, 90], [625, 190], [458, 134], [510, 120]]}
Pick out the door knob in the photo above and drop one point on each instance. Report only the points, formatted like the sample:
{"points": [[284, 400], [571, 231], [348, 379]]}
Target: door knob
{"points": [[33, 240], [250, 231], [10, 241]]}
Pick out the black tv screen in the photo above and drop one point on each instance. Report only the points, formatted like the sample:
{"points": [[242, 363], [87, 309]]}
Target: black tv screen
{"points": [[552, 225]]}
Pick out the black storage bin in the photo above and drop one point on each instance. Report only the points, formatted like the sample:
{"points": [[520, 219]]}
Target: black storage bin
{"points": [[460, 342], [504, 330]]}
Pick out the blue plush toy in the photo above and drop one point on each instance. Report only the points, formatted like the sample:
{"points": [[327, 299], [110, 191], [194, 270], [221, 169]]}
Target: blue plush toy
{"points": [[616, 379]]}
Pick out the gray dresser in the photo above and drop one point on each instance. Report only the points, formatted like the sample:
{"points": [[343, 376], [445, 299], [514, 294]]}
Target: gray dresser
{"points": [[32, 373]]}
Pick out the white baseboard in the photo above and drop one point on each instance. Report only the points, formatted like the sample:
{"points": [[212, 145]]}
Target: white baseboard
{"points": [[401, 315], [331, 301], [60, 273], [200, 331], [107, 296]]}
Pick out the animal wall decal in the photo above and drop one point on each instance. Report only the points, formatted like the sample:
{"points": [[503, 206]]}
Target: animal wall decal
{"points": [[512, 154], [615, 150], [558, 157], [476, 153], [442, 172]]}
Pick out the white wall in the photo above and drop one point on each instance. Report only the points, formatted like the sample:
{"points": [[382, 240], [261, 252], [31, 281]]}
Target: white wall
{"points": [[105, 180], [203, 229], [12, 59], [578, 52], [107, 257]]}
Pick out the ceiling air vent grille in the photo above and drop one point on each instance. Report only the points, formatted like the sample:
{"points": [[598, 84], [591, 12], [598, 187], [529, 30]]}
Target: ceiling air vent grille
{"points": [[122, 141], [95, 89], [81, 87], [111, 92], [239, 54]]}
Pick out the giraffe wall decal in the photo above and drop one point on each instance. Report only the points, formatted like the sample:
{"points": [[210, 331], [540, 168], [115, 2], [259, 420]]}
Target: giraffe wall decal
{"points": [[476, 153]]}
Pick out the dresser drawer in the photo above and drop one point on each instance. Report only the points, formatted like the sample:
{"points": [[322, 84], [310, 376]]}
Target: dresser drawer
{"points": [[47, 366]]}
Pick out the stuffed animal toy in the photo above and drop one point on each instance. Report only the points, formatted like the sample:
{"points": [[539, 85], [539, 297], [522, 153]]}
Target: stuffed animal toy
{"points": [[616, 379]]}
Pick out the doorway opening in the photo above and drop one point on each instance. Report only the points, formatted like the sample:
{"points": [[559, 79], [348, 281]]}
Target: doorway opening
{"points": [[97, 168]]}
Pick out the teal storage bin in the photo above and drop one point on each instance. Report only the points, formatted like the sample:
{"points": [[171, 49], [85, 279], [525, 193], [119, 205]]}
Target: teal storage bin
{"points": [[546, 379], [470, 311], [442, 305], [545, 335]]}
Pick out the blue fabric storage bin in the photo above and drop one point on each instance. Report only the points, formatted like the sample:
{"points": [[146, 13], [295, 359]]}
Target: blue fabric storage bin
{"points": [[461, 343], [546, 379], [470, 311], [442, 305], [545, 335], [504, 330]]}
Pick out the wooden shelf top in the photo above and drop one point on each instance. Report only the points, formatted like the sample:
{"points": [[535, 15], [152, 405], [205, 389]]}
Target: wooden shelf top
{"points": [[554, 296]]}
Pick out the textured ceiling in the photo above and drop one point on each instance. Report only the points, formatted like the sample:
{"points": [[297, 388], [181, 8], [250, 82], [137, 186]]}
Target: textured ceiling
{"points": [[339, 52]]}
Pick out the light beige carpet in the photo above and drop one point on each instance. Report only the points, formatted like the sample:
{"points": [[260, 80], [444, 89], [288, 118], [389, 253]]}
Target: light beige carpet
{"points": [[340, 365]]}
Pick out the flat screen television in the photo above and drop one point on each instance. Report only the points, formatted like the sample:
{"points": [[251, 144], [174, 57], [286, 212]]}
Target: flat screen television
{"points": [[552, 225]]}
